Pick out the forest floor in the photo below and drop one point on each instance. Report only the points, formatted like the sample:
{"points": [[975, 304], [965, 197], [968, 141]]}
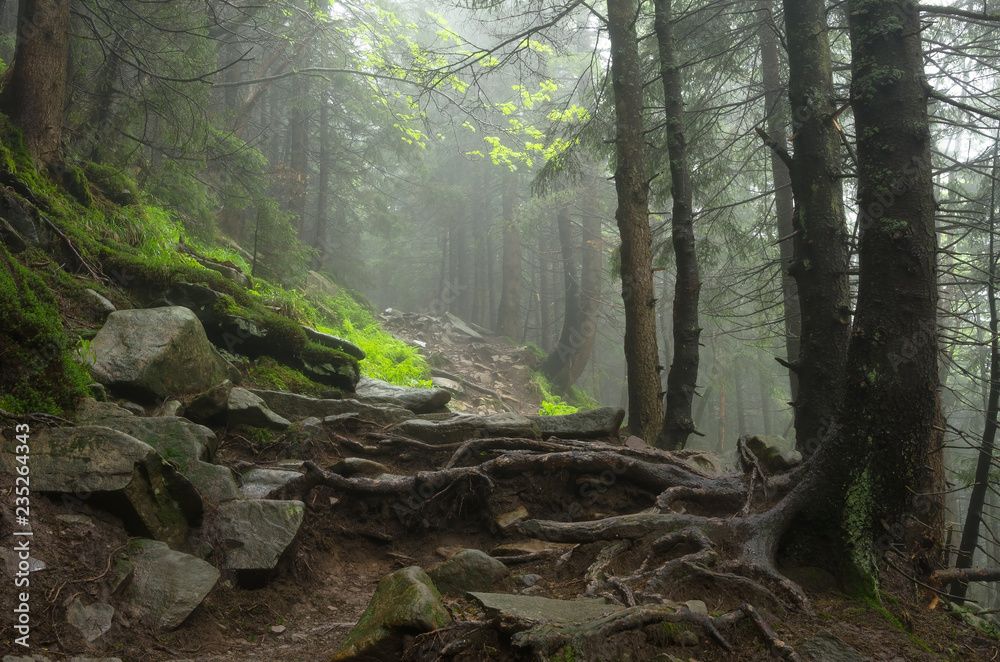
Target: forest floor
{"points": [[348, 543]]}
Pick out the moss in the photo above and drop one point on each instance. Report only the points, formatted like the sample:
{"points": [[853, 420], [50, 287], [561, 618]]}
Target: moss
{"points": [[287, 333], [316, 354], [267, 373], [38, 373], [113, 184], [74, 180]]}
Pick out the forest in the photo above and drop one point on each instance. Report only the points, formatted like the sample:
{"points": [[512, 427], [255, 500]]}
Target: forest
{"points": [[764, 231]]}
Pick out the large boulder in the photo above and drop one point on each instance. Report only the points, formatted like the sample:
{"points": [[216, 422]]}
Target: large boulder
{"points": [[257, 533], [118, 473], [468, 426], [405, 603], [297, 407], [174, 438], [166, 586], [417, 400], [245, 408], [594, 423], [157, 352]]}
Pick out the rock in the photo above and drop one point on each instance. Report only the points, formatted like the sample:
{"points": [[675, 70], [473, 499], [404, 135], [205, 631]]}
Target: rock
{"points": [[357, 466], [174, 438], [456, 324], [230, 272], [26, 230], [257, 533], [214, 482], [513, 517], [210, 406], [697, 607], [546, 610], [452, 431], [296, 407], [245, 408], [125, 477], [510, 425], [99, 303], [91, 620], [171, 408], [774, 452], [417, 400], [156, 352], [10, 238], [334, 342], [13, 562], [166, 585], [825, 647], [527, 580], [98, 392], [405, 603], [94, 412], [591, 424], [470, 570], [258, 483], [449, 385]]}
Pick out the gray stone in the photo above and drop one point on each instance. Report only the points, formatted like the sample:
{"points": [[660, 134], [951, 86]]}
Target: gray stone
{"points": [[594, 423], [357, 466], [296, 407], [94, 412], [12, 562], [534, 608], [334, 342], [127, 477], [417, 400], [102, 305], [210, 406], [697, 607], [25, 227], [156, 352], [457, 324], [825, 647], [774, 452], [448, 384], [452, 431], [405, 603], [258, 483], [508, 424], [171, 408], [174, 438], [245, 408], [91, 620], [257, 533], [529, 579], [166, 585], [98, 392], [214, 482], [470, 570]]}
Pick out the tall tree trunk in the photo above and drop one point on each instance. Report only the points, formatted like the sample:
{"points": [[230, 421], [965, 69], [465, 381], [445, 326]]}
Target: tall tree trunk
{"points": [[566, 362], [644, 410], [765, 405], [784, 205], [298, 152], [544, 292], [890, 403], [321, 236], [974, 514], [36, 86], [683, 375], [820, 267], [510, 289]]}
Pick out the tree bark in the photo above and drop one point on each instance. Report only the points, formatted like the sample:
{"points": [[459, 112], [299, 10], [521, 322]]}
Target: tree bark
{"points": [[36, 86], [890, 403], [510, 288], [644, 410], [820, 267], [777, 120], [683, 375]]}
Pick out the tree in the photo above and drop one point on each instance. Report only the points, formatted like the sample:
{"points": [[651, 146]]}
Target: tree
{"points": [[644, 410], [820, 240], [683, 375], [34, 95], [510, 288]]}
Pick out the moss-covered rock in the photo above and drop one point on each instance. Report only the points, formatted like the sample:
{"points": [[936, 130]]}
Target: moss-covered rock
{"points": [[113, 184], [405, 602]]}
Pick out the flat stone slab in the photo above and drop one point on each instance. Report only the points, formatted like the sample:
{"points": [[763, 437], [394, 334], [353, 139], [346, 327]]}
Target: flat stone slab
{"points": [[214, 482], [91, 620], [590, 424], [334, 342], [166, 585], [258, 532], [174, 438], [258, 483], [825, 647], [544, 610], [532, 547], [295, 407], [417, 400], [470, 570]]}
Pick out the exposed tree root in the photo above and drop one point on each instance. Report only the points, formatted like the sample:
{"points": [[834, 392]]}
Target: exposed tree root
{"points": [[779, 647]]}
